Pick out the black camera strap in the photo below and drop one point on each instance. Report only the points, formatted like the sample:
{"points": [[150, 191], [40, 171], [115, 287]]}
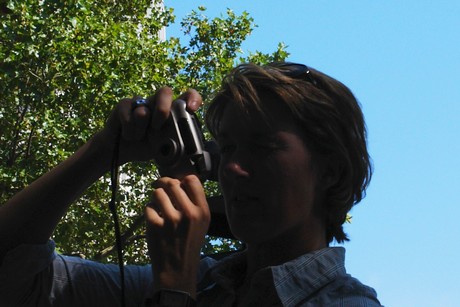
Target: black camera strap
{"points": [[113, 208]]}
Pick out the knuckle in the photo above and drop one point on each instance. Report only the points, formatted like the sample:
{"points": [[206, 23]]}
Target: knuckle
{"points": [[206, 216], [141, 111], [165, 181], [172, 182], [192, 216], [189, 180]]}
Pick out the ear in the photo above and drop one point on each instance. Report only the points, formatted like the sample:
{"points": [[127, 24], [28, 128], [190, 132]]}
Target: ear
{"points": [[331, 172]]}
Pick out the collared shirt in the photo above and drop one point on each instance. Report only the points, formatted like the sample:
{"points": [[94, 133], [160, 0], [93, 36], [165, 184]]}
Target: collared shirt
{"points": [[314, 279], [35, 275]]}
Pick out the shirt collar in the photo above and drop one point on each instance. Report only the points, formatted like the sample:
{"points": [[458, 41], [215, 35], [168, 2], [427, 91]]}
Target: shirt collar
{"points": [[304, 276], [292, 280]]}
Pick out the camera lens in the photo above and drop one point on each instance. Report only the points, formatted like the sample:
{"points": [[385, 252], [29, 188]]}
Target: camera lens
{"points": [[166, 150]]}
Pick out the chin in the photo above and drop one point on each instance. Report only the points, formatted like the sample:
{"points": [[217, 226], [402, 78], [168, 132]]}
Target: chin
{"points": [[249, 232]]}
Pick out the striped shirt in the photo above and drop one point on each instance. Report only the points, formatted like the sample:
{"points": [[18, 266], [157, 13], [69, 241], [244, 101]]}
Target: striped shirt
{"points": [[35, 275], [314, 279]]}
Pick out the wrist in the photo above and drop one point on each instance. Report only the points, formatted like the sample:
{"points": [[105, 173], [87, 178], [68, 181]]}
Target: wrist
{"points": [[181, 282], [171, 298], [100, 152]]}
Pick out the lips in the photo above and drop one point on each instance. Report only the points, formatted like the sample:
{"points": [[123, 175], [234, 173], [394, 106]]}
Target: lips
{"points": [[240, 195], [242, 198]]}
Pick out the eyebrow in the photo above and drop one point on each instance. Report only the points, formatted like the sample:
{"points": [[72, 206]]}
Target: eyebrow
{"points": [[265, 135]]}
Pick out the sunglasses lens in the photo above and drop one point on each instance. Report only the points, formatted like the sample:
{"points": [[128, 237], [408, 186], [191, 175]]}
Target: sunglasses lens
{"points": [[293, 70]]}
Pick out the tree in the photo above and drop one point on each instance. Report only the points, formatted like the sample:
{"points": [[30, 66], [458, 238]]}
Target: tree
{"points": [[65, 64]]}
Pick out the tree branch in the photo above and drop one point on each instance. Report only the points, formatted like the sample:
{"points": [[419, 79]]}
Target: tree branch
{"points": [[126, 238]]}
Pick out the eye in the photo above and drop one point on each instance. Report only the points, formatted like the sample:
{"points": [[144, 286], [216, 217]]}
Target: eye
{"points": [[226, 148], [266, 145]]}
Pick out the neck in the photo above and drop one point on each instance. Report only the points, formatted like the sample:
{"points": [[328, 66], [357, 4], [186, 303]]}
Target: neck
{"points": [[282, 249]]}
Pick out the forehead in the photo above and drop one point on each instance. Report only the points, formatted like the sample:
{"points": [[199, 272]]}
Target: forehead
{"points": [[272, 116]]}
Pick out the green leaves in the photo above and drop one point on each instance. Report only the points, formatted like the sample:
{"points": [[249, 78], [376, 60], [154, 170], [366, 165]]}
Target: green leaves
{"points": [[213, 46], [65, 64]]}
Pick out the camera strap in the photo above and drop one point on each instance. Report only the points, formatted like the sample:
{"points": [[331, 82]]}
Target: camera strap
{"points": [[113, 208]]}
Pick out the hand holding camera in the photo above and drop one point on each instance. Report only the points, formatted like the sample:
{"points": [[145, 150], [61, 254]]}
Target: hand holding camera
{"points": [[138, 126]]}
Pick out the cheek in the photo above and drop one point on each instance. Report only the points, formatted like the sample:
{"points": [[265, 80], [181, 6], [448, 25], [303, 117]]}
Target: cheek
{"points": [[298, 180]]}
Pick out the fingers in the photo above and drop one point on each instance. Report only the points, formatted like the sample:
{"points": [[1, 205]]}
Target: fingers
{"points": [[193, 99], [152, 216], [174, 200], [194, 190], [161, 209], [124, 114], [136, 120], [141, 119], [160, 103]]}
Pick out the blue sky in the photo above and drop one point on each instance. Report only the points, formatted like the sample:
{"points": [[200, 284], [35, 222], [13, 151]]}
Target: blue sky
{"points": [[402, 61]]}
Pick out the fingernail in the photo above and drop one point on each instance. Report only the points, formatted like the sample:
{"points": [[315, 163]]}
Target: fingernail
{"points": [[194, 104]]}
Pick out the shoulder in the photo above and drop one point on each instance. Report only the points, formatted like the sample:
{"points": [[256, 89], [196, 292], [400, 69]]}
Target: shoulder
{"points": [[320, 279], [349, 291]]}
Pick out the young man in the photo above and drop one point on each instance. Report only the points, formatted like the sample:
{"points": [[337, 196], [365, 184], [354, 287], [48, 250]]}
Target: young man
{"points": [[293, 163]]}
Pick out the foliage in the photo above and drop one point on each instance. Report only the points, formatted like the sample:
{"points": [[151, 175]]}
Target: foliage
{"points": [[65, 64]]}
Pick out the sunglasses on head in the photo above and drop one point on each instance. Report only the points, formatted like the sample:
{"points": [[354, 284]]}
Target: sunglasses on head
{"points": [[294, 70]]}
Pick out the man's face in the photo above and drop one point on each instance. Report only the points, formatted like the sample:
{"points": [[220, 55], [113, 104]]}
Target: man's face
{"points": [[266, 177]]}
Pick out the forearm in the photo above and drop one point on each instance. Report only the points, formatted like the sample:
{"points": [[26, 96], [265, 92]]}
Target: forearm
{"points": [[32, 214]]}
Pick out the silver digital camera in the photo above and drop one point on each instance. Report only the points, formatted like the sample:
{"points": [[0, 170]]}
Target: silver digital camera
{"points": [[180, 148]]}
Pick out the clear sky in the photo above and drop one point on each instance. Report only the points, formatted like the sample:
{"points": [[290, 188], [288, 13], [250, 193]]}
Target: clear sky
{"points": [[402, 60]]}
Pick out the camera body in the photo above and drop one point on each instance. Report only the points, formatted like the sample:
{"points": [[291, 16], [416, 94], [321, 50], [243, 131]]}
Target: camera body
{"points": [[180, 148]]}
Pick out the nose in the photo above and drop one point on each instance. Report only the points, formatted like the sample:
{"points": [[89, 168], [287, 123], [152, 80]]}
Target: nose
{"points": [[236, 162], [234, 169]]}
